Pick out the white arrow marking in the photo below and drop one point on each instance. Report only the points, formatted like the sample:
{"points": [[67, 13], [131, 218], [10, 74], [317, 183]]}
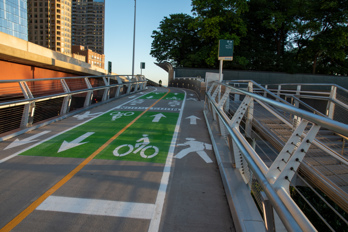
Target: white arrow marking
{"points": [[30, 139], [191, 99], [175, 93], [193, 119], [157, 117], [132, 97], [149, 97], [67, 145]]}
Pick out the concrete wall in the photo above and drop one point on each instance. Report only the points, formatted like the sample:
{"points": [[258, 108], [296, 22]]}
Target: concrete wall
{"points": [[15, 50], [265, 77]]}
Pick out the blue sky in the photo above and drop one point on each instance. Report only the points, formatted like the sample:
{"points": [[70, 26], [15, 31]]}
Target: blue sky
{"points": [[119, 21]]}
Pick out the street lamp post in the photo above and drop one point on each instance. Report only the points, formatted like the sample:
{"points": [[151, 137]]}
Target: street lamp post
{"points": [[135, 10]]}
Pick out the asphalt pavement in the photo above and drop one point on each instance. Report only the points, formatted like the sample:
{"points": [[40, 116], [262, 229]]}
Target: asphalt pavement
{"points": [[143, 162]]}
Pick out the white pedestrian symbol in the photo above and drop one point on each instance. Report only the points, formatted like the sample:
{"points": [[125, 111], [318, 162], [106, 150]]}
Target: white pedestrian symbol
{"points": [[195, 146], [142, 147], [116, 115]]}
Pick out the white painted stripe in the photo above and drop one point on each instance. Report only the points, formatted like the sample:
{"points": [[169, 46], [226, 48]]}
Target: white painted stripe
{"points": [[98, 207], [162, 191], [42, 141]]}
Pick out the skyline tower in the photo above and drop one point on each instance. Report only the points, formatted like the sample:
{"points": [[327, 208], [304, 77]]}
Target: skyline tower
{"points": [[49, 24], [88, 23]]}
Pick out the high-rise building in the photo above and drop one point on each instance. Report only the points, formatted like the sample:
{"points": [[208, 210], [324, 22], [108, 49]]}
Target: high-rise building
{"points": [[13, 18], [88, 18], [49, 24]]}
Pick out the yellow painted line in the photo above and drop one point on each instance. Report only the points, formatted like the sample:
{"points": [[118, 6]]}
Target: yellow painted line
{"points": [[20, 217]]}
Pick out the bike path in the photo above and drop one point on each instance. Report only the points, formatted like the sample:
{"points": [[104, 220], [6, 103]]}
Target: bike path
{"points": [[121, 189]]}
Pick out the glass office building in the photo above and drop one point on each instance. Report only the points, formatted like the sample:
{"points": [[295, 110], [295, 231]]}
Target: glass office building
{"points": [[13, 18]]}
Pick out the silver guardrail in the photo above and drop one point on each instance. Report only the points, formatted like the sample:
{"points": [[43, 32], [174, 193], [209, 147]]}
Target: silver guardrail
{"points": [[275, 178], [334, 96], [28, 102]]}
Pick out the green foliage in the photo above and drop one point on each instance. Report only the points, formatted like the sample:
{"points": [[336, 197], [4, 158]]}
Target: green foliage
{"points": [[175, 41], [293, 36]]}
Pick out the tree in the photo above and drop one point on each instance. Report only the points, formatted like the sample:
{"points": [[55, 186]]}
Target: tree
{"points": [[321, 36], [294, 36], [218, 19], [176, 42]]}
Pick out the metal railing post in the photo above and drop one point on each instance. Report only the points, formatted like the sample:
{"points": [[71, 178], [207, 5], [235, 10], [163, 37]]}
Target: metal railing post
{"points": [[89, 95], [330, 108], [29, 109], [268, 214], [67, 100], [106, 94]]}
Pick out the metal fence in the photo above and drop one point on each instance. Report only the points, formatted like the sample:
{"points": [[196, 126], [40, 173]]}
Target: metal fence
{"points": [[25, 103], [285, 151]]}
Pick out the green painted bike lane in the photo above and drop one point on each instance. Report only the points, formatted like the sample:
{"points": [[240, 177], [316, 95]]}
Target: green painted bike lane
{"points": [[147, 140], [170, 96]]}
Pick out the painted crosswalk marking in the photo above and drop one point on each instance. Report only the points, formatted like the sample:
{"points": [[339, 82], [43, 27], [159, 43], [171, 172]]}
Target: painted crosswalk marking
{"points": [[97, 207]]}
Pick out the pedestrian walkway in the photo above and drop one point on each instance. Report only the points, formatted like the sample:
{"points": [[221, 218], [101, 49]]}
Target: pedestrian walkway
{"points": [[140, 163]]}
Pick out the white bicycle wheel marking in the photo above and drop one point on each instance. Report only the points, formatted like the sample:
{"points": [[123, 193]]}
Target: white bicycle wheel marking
{"points": [[141, 146]]}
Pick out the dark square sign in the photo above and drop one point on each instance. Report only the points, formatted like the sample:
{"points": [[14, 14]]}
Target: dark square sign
{"points": [[225, 49]]}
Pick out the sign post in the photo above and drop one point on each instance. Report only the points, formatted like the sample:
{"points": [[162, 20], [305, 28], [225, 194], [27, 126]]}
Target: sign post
{"points": [[225, 53], [142, 66], [109, 67]]}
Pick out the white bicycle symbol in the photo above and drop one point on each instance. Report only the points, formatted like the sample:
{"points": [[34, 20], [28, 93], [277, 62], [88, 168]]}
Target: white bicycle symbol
{"points": [[142, 147], [119, 115]]}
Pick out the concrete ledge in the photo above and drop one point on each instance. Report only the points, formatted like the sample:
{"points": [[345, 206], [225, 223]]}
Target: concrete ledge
{"points": [[244, 211], [20, 51]]}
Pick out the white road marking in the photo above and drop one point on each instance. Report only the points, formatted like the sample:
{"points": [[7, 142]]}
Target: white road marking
{"points": [[30, 139], [193, 119], [53, 136], [157, 117], [97, 207], [76, 142], [162, 191]]}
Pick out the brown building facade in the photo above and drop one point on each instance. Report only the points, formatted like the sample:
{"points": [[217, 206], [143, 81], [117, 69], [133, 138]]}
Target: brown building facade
{"points": [[92, 57], [49, 24]]}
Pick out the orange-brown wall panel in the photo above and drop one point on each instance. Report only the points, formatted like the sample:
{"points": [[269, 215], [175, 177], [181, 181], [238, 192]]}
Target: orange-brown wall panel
{"points": [[14, 71]]}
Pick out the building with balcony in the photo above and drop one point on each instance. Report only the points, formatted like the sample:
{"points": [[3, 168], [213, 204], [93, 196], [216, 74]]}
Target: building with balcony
{"points": [[13, 18], [91, 57], [88, 17], [49, 24]]}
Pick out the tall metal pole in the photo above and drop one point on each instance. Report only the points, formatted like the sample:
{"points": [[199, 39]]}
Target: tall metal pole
{"points": [[135, 11]]}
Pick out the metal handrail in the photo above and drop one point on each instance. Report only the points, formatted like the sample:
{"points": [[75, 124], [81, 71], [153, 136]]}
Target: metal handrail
{"points": [[322, 121], [27, 96], [287, 210], [315, 84], [287, 218]]}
